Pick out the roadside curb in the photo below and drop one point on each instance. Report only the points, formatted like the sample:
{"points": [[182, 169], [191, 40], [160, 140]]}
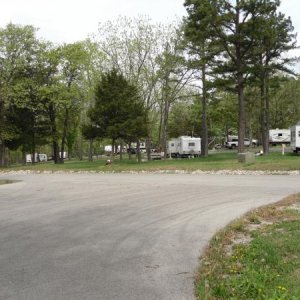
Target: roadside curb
{"points": [[196, 172]]}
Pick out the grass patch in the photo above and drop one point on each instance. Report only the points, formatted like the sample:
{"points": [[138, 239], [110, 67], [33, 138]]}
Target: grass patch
{"points": [[214, 162], [7, 181], [255, 257]]}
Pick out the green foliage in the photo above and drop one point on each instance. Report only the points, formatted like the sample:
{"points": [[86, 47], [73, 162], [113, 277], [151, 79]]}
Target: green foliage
{"points": [[17, 46], [244, 38], [184, 120], [118, 110], [46, 90]]}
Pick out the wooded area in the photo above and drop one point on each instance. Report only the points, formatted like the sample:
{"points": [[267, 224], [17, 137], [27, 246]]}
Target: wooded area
{"points": [[224, 69]]}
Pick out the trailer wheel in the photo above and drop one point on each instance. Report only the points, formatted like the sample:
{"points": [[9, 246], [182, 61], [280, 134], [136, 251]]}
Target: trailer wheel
{"points": [[233, 146]]}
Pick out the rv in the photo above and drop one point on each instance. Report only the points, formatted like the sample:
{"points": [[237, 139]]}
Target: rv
{"points": [[184, 146], [65, 155], [295, 138], [37, 157], [279, 136], [232, 142]]}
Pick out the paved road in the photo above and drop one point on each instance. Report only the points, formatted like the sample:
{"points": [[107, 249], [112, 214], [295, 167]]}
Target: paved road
{"points": [[89, 236]]}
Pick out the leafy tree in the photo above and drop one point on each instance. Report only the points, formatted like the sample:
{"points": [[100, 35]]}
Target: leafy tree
{"points": [[146, 55], [184, 119], [252, 36], [274, 38], [69, 98], [118, 109], [93, 65], [174, 77], [232, 27], [284, 101], [202, 51], [17, 44], [91, 132]]}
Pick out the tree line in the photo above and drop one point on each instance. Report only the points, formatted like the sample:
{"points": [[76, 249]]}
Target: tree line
{"points": [[223, 68]]}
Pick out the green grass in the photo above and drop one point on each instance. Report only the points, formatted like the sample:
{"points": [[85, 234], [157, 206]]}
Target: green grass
{"points": [[6, 181], [218, 161], [266, 267]]}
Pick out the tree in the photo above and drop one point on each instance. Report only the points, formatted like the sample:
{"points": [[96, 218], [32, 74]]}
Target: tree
{"points": [[91, 132], [69, 100], [147, 56], [174, 76], [17, 44], [274, 38], [118, 109], [233, 26], [202, 51], [184, 119]]}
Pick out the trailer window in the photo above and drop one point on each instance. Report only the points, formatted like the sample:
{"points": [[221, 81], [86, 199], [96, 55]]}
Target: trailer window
{"points": [[299, 133], [279, 134], [191, 144]]}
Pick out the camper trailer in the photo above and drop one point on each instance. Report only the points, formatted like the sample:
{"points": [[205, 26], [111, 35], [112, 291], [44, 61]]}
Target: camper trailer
{"points": [[39, 157], [295, 138], [184, 146], [232, 142], [279, 136]]}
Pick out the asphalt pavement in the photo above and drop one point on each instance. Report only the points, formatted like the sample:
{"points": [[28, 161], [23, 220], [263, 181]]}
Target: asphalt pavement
{"points": [[118, 236]]}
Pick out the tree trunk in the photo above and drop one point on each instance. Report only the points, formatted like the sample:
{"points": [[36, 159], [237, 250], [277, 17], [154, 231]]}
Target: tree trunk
{"points": [[129, 150], [240, 83], [33, 149], [204, 130], [81, 148], [54, 133], [264, 131], [148, 148], [112, 156], [23, 157], [3, 154], [267, 113], [165, 128], [164, 134], [91, 150], [138, 151], [121, 149], [55, 152], [241, 100], [64, 136], [160, 128], [8, 158]]}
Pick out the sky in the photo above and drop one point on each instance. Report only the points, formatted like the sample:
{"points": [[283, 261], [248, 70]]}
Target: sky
{"points": [[72, 20], [66, 21]]}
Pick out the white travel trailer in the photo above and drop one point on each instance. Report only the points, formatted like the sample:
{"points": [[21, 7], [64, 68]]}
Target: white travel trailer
{"points": [[38, 157], [43, 157], [295, 138], [279, 136], [65, 155], [184, 146], [28, 158]]}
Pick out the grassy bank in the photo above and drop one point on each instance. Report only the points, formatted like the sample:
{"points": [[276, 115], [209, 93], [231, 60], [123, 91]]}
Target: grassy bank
{"points": [[217, 161], [255, 257]]}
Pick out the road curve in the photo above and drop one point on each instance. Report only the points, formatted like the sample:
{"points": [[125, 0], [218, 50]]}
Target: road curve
{"points": [[117, 236]]}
